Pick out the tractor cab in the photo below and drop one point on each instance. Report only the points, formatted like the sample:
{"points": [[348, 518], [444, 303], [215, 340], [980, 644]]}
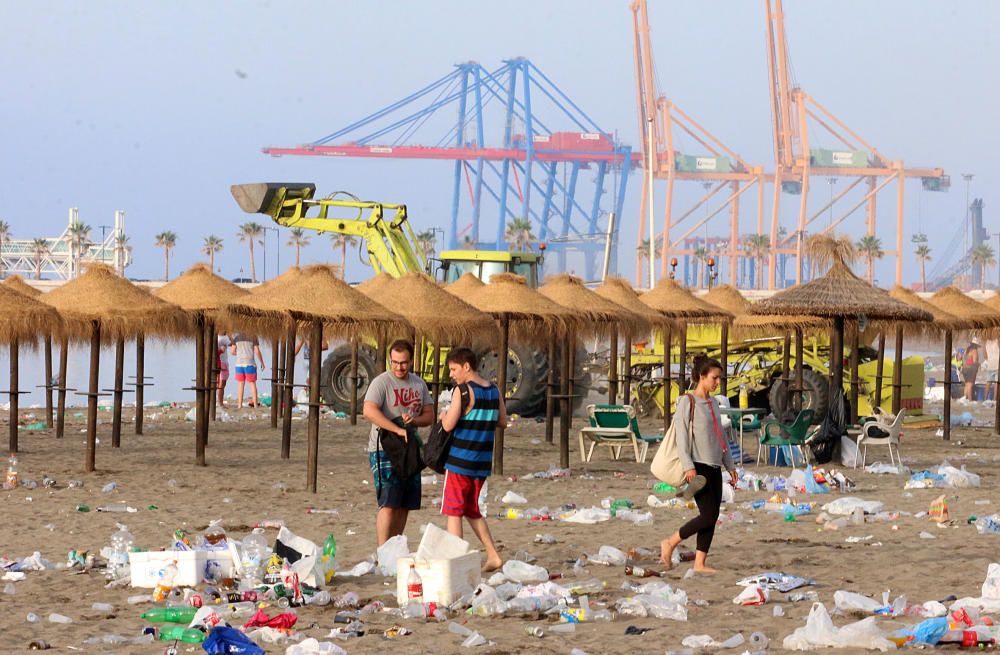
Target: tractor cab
{"points": [[486, 263]]}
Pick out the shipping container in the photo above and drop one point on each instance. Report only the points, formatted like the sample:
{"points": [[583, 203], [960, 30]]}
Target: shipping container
{"points": [[838, 158], [702, 164]]}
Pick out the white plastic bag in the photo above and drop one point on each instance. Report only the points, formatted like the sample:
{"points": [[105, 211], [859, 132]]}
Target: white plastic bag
{"points": [[845, 506], [820, 631], [523, 572], [303, 555], [609, 555], [991, 587], [389, 552], [849, 452], [850, 602], [513, 498], [958, 478], [728, 493], [752, 595]]}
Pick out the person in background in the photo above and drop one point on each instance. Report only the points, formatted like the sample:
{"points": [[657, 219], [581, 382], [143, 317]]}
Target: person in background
{"points": [[470, 458], [222, 365], [970, 367], [399, 402], [703, 453], [247, 351], [991, 362]]}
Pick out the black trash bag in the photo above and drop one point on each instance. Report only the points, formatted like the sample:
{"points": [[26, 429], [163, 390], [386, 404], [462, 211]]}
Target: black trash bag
{"points": [[825, 444]]}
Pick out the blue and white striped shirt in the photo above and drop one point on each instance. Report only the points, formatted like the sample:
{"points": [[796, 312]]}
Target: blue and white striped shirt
{"points": [[471, 451]]}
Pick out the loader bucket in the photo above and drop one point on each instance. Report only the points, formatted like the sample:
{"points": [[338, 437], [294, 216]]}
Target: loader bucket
{"points": [[257, 198]]}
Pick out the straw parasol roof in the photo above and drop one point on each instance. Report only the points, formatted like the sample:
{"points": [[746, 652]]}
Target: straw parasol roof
{"points": [[620, 292], [975, 314], [603, 314], [727, 298], [839, 294], [200, 290], [674, 301], [310, 294], [532, 316], [465, 285], [290, 274], [25, 318], [750, 326], [993, 302], [435, 313], [122, 308], [942, 319], [17, 283]]}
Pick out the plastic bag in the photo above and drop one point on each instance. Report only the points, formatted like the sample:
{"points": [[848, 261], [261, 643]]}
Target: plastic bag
{"points": [[708, 642], [775, 581], [845, 506], [609, 555], [303, 556], [812, 486], [939, 510], [848, 601], [958, 478], [389, 552], [991, 587], [513, 498], [223, 640], [820, 631], [587, 515], [523, 572], [728, 493], [752, 595], [312, 646], [849, 452]]}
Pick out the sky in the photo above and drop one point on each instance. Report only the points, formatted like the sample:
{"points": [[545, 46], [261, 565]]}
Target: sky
{"points": [[157, 108]]}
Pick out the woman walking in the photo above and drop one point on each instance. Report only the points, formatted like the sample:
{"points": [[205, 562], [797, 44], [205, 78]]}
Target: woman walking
{"points": [[703, 452]]}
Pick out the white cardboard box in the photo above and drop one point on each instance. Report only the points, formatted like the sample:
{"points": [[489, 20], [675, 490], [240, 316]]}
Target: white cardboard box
{"points": [[191, 566], [444, 580]]}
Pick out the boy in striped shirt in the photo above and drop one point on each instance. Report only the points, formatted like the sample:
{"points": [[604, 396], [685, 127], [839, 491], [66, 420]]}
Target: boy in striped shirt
{"points": [[470, 458]]}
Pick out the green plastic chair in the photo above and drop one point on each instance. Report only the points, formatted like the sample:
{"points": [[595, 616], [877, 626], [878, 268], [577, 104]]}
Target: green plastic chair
{"points": [[791, 435], [615, 427]]}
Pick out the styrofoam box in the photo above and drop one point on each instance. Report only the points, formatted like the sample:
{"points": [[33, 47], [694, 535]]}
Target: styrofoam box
{"points": [[445, 580], [191, 566]]}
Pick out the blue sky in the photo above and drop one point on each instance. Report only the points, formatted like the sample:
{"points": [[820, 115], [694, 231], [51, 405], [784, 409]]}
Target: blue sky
{"points": [[138, 106]]}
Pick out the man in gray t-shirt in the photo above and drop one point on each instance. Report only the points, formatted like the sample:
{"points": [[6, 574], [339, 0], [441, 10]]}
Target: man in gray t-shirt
{"points": [[397, 401]]}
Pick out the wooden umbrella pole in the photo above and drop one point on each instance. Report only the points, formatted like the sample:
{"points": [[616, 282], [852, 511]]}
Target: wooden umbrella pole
{"points": [[211, 373], [855, 383], [289, 392], [95, 368], [380, 347], [278, 395], [275, 381], [682, 370], [435, 380], [116, 416], [799, 382], [897, 373], [879, 370], [14, 409], [786, 366], [199, 391], [724, 385], [613, 369], [550, 390], [668, 377], [312, 448], [837, 354], [946, 428], [140, 381], [353, 409], [61, 397], [572, 377], [418, 354], [48, 381], [502, 386], [627, 373], [564, 406]]}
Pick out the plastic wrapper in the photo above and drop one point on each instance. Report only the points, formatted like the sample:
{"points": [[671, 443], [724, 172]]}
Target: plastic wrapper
{"points": [[284, 620], [820, 631], [775, 581]]}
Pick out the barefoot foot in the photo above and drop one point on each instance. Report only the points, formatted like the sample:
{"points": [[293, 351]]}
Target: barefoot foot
{"points": [[492, 565], [705, 569], [667, 554]]}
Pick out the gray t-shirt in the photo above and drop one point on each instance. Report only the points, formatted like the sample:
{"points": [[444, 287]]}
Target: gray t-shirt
{"points": [[394, 396], [706, 445], [244, 350]]}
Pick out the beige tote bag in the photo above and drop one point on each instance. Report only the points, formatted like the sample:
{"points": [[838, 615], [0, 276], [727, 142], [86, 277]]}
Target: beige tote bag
{"points": [[666, 465]]}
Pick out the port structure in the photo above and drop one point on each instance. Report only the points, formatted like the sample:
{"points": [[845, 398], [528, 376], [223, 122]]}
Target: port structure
{"points": [[65, 256], [521, 147], [793, 112]]}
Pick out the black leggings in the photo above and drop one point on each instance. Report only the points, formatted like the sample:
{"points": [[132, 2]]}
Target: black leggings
{"points": [[709, 500]]}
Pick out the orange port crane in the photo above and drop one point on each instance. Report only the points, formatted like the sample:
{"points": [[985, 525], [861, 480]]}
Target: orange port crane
{"points": [[796, 161], [724, 172]]}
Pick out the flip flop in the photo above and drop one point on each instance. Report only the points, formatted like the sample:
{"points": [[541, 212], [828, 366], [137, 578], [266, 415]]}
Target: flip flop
{"points": [[689, 490]]}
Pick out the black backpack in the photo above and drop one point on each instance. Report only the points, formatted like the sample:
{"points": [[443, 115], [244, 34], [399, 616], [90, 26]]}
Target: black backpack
{"points": [[438, 443]]}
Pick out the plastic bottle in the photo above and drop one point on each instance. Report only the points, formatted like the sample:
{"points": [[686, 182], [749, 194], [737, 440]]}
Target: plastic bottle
{"points": [[59, 618], [169, 614], [252, 562], [117, 507], [244, 608], [371, 608], [141, 598], [10, 482], [32, 618], [122, 542], [214, 537], [534, 631], [180, 633], [166, 582], [511, 513], [744, 397], [319, 599], [329, 558], [414, 586], [641, 572], [592, 586], [82, 508], [758, 642]]}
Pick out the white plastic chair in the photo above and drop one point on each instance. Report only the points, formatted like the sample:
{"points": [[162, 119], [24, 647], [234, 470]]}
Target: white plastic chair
{"points": [[892, 439]]}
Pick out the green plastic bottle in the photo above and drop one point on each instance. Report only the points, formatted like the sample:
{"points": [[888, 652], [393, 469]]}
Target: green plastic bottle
{"points": [[170, 614], [180, 633], [664, 488], [329, 558], [622, 503]]}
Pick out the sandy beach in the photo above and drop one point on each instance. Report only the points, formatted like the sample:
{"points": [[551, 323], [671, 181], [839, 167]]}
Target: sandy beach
{"points": [[246, 482]]}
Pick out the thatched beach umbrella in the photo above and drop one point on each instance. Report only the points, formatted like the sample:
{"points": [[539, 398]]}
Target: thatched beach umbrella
{"points": [[526, 315], [975, 316], [677, 303], [620, 292], [17, 283], [373, 284], [315, 297], [438, 316], [727, 298], [839, 295], [113, 308], [202, 293], [23, 319]]}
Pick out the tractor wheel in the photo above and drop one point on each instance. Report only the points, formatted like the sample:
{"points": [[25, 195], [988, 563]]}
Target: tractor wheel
{"points": [[527, 369], [816, 396], [335, 378]]}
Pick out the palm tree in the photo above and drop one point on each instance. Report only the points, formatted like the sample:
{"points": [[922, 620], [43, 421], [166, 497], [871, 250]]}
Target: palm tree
{"points": [[823, 250], [342, 241], [923, 253], [427, 242], [299, 239], [519, 234], [122, 248], [209, 247], [700, 255], [250, 232], [79, 239], [757, 246], [166, 240], [983, 257], [871, 247], [39, 250], [4, 236]]}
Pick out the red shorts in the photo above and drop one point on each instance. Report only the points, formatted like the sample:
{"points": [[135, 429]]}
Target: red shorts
{"points": [[461, 495]]}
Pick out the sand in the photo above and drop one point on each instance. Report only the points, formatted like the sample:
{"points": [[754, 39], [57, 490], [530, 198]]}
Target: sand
{"points": [[244, 466]]}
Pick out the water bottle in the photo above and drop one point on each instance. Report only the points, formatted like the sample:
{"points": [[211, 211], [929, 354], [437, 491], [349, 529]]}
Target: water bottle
{"points": [[329, 558], [169, 615], [414, 586], [180, 633], [117, 507], [252, 562], [166, 582], [122, 542], [59, 618], [10, 482], [744, 397]]}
